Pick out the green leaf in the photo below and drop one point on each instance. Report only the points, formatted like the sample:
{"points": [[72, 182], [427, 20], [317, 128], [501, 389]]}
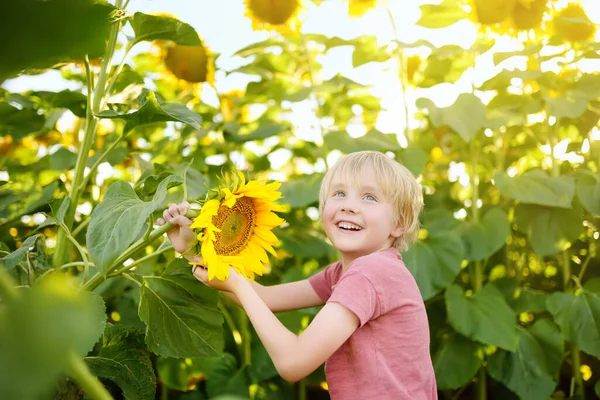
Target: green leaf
{"points": [[446, 64], [303, 244], [570, 104], [536, 187], [549, 229], [414, 158], [455, 362], [484, 316], [13, 259], [435, 262], [42, 33], [181, 314], [119, 219], [38, 332], [76, 102], [484, 238], [441, 15], [501, 56], [525, 371], [125, 360], [18, 123], [366, 50], [262, 132], [151, 110], [62, 160], [588, 191], [372, 140], [579, 318], [466, 116], [225, 378], [158, 27], [302, 191]]}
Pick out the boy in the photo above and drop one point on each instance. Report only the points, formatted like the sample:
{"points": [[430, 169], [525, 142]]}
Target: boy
{"points": [[372, 331]]}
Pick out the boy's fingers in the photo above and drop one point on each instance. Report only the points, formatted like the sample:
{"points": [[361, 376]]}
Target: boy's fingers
{"points": [[200, 273], [173, 210], [184, 207], [181, 221], [160, 221], [167, 216]]}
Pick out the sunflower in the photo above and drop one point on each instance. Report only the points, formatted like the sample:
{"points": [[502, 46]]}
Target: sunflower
{"points": [[274, 15], [193, 64], [235, 228], [358, 8], [489, 12], [573, 24]]}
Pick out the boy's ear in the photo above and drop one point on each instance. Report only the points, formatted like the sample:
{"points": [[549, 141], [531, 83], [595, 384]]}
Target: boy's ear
{"points": [[397, 231]]}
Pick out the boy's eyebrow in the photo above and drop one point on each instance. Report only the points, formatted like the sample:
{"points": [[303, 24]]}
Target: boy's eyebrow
{"points": [[366, 188]]}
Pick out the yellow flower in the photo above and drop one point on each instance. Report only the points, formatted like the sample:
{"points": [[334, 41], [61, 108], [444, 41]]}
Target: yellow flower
{"points": [[190, 63], [358, 8], [274, 15], [489, 12], [573, 24], [235, 228]]}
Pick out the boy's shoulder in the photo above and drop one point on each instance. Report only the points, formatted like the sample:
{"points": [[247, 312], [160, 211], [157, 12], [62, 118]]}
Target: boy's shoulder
{"points": [[379, 263]]}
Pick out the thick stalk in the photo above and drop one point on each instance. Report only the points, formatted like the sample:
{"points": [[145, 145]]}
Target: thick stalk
{"points": [[79, 371], [577, 372], [402, 75], [302, 389], [94, 98], [97, 279]]}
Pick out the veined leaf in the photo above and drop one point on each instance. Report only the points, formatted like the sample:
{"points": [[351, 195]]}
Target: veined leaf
{"points": [[549, 229], [302, 191], [486, 237], [456, 361], [466, 116], [536, 187], [579, 318], [484, 316], [151, 111], [181, 314], [441, 15], [125, 360], [530, 371], [158, 27], [435, 262], [13, 259], [118, 220]]}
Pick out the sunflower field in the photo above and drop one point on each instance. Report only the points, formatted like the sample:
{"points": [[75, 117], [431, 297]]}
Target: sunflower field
{"points": [[493, 104]]}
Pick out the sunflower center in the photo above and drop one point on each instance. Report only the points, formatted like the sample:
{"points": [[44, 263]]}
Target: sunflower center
{"points": [[236, 224]]}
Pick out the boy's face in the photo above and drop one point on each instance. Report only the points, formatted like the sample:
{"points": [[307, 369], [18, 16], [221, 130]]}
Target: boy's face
{"points": [[359, 220]]}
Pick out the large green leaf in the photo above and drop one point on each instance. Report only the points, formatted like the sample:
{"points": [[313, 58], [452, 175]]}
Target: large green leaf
{"points": [[13, 259], [549, 229], [224, 378], [38, 332], [530, 371], [125, 360], [264, 131], [441, 15], [444, 65], [303, 191], [588, 191], [372, 140], [303, 244], [435, 262], [18, 123], [456, 361], [484, 238], [536, 187], [466, 116], [159, 27], [118, 220], [42, 32], [501, 56], [366, 50], [151, 110], [414, 158], [181, 314], [579, 318], [570, 104], [484, 316]]}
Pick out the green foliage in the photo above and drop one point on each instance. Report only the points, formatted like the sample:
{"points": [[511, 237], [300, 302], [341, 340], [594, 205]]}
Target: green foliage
{"points": [[507, 257]]}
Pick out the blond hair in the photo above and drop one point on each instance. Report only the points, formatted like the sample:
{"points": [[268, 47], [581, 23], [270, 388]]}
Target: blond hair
{"points": [[397, 183]]}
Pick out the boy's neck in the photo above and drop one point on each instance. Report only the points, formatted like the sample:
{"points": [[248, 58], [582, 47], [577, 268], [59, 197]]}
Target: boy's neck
{"points": [[348, 258]]}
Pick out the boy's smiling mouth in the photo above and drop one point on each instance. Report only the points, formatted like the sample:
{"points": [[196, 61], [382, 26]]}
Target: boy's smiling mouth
{"points": [[348, 226]]}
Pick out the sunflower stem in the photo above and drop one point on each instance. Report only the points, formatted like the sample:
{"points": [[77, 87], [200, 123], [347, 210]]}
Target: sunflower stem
{"points": [[79, 371]]}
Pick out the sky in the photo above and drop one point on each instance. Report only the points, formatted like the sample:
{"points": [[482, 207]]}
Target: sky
{"points": [[224, 28]]}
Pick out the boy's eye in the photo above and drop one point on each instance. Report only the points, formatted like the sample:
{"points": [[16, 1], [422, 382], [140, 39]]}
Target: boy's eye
{"points": [[338, 194], [370, 197]]}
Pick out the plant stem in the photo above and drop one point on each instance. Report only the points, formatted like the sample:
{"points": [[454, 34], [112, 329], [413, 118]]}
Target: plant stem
{"points": [[79, 371], [403, 75], [95, 95], [577, 372], [139, 261], [99, 161], [584, 266], [80, 227], [302, 389], [140, 244], [231, 324]]}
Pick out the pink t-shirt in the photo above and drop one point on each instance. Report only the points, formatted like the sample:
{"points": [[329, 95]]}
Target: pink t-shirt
{"points": [[388, 356]]}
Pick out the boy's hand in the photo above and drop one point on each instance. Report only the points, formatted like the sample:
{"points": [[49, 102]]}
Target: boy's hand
{"points": [[228, 285], [181, 236]]}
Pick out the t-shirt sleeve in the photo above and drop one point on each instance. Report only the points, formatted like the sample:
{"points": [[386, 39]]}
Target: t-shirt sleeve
{"points": [[357, 294], [321, 282]]}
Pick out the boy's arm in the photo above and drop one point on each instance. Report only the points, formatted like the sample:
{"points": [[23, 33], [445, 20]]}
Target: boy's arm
{"points": [[295, 356]]}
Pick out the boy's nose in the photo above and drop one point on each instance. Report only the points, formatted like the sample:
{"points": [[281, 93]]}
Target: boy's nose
{"points": [[349, 206]]}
